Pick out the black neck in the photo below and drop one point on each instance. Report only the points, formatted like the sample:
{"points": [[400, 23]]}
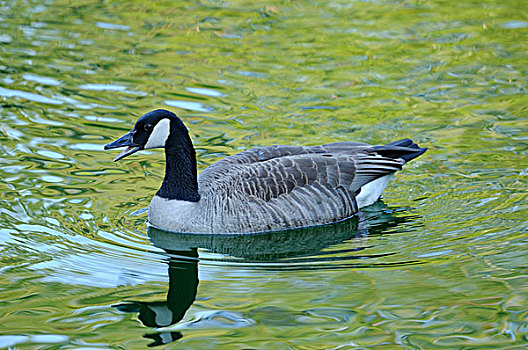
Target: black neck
{"points": [[180, 180]]}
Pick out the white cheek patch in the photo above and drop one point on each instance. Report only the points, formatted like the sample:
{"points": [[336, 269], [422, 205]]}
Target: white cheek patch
{"points": [[159, 134]]}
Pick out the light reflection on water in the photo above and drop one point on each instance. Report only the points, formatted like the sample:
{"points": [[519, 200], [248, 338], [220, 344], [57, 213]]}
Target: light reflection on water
{"points": [[441, 266]]}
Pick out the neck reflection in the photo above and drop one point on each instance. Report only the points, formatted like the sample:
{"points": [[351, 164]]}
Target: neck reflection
{"points": [[183, 284]]}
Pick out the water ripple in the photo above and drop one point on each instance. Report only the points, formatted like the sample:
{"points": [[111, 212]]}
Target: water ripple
{"points": [[41, 80], [28, 96], [192, 106]]}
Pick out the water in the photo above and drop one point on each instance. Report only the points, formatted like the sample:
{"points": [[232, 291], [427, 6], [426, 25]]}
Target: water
{"points": [[440, 264]]}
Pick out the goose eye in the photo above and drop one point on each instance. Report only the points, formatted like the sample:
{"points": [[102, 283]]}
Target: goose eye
{"points": [[148, 127]]}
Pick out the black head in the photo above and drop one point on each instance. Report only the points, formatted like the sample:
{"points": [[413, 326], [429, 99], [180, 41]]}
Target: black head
{"points": [[152, 130]]}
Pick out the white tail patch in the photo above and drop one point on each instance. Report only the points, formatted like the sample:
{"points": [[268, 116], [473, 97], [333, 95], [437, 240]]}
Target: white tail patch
{"points": [[371, 192], [159, 134]]}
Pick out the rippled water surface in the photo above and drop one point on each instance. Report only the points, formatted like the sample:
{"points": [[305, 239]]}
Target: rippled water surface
{"points": [[441, 263]]}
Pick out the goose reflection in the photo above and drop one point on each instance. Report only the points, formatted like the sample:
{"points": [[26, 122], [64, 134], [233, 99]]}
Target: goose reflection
{"points": [[182, 251], [183, 284]]}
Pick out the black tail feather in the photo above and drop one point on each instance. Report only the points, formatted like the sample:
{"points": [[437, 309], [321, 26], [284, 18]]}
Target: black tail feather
{"points": [[402, 143], [404, 149]]}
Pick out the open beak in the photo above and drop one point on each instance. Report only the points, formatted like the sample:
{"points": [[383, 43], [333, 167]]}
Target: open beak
{"points": [[124, 141]]}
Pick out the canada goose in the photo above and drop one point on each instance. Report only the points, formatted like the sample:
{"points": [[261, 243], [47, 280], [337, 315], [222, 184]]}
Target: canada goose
{"points": [[265, 188]]}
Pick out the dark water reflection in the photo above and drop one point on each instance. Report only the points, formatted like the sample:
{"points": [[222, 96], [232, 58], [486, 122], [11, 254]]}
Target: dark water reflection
{"points": [[299, 249], [183, 285]]}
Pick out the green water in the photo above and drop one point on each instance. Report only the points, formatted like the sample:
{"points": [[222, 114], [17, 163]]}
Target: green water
{"points": [[440, 264]]}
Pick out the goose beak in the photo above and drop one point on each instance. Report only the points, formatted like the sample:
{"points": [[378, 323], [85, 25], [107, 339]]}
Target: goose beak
{"points": [[124, 141]]}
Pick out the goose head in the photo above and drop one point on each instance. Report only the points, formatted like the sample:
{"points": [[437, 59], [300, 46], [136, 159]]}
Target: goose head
{"points": [[157, 129]]}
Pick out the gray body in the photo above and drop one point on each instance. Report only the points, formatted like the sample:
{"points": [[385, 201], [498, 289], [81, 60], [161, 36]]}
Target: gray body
{"points": [[279, 187]]}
